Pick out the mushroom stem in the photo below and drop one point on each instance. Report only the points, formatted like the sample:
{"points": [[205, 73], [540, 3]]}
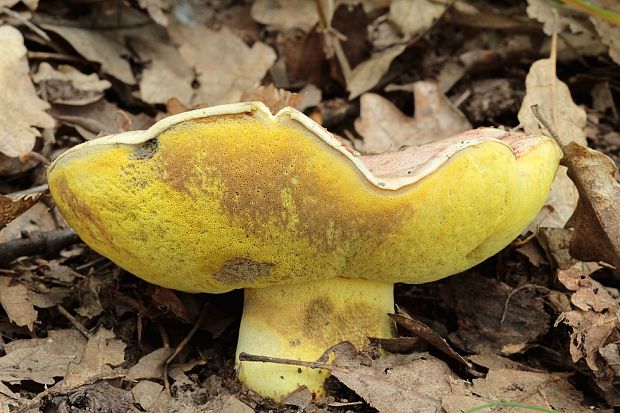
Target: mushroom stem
{"points": [[301, 321]]}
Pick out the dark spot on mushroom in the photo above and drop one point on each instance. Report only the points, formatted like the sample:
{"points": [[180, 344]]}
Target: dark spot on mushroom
{"points": [[146, 151], [239, 270]]}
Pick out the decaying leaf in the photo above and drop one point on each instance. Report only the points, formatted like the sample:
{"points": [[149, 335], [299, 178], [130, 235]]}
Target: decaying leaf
{"points": [[494, 317], [102, 352], [550, 391], [397, 382], [274, 98], [384, 127], [17, 304], [105, 47], [610, 36], [286, 14], [150, 396], [553, 97], [41, 359], [556, 18], [413, 16], [165, 74], [367, 74], [12, 208], [421, 330], [155, 9], [69, 86], [99, 118], [594, 322], [226, 66], [597, 218], [21, 110], [150, 366]]}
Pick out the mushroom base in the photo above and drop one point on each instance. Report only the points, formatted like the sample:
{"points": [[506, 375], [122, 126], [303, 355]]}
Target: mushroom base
{"points": [[300, 322]]}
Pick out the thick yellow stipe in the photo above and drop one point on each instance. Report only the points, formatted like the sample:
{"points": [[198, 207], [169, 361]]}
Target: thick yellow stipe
{"points": [[301, 321]]}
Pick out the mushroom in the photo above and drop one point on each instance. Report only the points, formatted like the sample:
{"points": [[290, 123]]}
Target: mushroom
{"points": [[232, 196]]}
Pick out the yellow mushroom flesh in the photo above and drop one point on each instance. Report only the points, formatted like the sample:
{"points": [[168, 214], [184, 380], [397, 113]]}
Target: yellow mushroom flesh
{"points": [[235, 197]]}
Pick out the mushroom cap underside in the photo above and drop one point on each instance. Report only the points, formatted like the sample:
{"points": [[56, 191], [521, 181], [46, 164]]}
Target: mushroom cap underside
{"points": [[234, 197]]}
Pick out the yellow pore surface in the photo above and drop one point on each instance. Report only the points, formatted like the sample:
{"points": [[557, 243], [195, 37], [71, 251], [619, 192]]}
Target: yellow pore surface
{"points": [[235, 201]]}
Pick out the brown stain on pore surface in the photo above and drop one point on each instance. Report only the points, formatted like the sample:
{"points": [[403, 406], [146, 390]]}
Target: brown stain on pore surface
{"points": [[254, 181]]}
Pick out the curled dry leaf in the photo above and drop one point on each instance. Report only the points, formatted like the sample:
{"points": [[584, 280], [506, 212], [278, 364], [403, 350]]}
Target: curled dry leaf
{"points": [[413, 16], [384, 127], [556, 18], [597, 218], [12, 208], [21, 110], [427, 334], [165, 74], [17, 303], [594, 322], [556, 105], [69, 86], [226, 66], [274, 98], [610, 36], [41, 359], [102, 352], [282, 15], [367, 74], [105, 47]]}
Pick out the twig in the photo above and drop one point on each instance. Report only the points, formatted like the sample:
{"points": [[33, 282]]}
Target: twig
{"points": [[536, 110], [513, 292], [54, 56], [289, 362], [75, 322], [37, 243], [182, 344], [26, 23]]}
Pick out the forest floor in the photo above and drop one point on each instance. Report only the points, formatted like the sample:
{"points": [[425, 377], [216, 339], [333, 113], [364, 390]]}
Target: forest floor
{"points": [[534, 327]]}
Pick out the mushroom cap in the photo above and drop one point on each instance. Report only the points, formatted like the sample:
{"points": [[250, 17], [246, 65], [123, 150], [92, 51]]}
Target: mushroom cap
{"points": [[232, 197]]}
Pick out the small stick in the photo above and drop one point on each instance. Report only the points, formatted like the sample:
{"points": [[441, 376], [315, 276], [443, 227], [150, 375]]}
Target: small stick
{"points": [[182, 345], [289, 362], [75, 322], [536, 110], [37, 243], [26, 23]]}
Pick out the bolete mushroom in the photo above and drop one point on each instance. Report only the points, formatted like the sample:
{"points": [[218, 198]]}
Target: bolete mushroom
{"points": [[234, 197]]}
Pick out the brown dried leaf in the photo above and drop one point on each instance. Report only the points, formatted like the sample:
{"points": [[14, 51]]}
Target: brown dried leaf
{"points": [[102, 352], [167, 300], [610, 36], [150, 366], [597, 218], [17, 303], [165, 74], [69, 86], [41, 359], [150, 396], [384, 127], [226, 66], [367, 74], [552, 391], [481, 303], [594, 324], [274, 98], [283, 15], [396, 383], [11, 209], [414, 16], [556, 18], [105, 47], [99, 118], [419, 329], [20, 107], [155, 9], [556, 105]]}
